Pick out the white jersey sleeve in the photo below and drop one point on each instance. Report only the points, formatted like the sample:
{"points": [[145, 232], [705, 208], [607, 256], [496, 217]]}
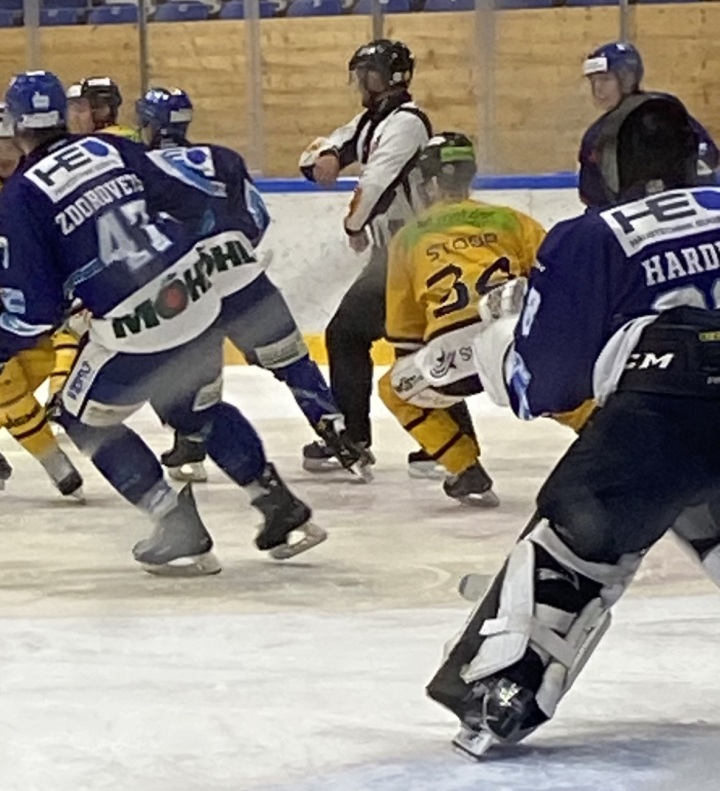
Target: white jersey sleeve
{"points": [[342, 142], [387, 190]]}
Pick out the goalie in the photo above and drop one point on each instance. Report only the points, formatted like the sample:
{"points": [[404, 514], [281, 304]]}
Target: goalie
{"points": [[603, 317], [439, 265]]}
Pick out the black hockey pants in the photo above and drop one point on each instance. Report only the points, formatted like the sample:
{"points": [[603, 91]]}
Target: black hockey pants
{"points": [[358, 322]]}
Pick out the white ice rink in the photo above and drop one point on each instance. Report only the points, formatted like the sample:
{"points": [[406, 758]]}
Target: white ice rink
{"points": [[310, 676]]}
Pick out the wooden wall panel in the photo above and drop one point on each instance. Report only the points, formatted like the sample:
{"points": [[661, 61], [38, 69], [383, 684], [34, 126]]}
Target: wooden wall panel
{"points": [[305, 83], [539, 104], [681, 53], [73, 53], [207, 59]]}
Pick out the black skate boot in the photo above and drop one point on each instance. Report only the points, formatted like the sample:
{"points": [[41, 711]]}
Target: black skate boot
{"points": [[317, 457], [472, 487], [179, 546], [283, 513], [422, 465], [5, 471], [185, 460], [352, 456], [63, 474], [71, 486], [506, 712]]}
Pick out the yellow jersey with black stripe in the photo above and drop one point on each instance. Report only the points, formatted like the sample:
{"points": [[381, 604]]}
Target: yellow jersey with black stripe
{"points": [[442, 262], [122, 131]]}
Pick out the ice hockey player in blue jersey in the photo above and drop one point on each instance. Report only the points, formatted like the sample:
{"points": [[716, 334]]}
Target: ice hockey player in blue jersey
{"points": [[262, 327], [615, 71], [94, 218], [622, 307]]}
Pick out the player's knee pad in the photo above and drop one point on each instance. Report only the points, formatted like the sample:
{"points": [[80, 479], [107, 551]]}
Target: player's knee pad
{"points": [[280, 354], [553, 602]]}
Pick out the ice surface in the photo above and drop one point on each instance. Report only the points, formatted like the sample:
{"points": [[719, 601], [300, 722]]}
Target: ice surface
{"points": [[309, 676]]}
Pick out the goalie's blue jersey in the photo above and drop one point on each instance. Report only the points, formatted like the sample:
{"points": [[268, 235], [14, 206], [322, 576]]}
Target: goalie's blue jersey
{"points": [[594, 275], [139, 237]]}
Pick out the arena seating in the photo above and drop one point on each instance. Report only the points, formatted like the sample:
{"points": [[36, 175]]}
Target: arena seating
{"points": [[115, 14], [9, 18], [60, 16], [106, 12], [181, 12], [235, 9], [315, 8], [389, 7]]}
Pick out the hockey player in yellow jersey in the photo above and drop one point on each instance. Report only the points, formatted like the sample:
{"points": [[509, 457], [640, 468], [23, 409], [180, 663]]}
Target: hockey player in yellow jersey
{"points": [[93, 106], [439, 266], [21, 414]]}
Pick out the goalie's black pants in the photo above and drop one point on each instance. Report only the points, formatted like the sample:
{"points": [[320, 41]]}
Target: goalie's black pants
{"points": [[641, 460], [358, 322]]}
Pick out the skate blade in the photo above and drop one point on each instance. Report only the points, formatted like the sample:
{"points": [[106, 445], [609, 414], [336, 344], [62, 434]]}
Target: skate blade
{"points": [[427, 472], [362, 473], [487, 499], [78, 496], [312, 536], [193, 472], [473, 586], [321, 465], [473, 744], [190, 566]]}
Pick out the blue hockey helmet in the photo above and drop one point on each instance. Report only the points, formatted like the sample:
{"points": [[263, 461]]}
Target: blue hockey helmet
{"points": [[36, 100], [168, 111], [620, 59]]}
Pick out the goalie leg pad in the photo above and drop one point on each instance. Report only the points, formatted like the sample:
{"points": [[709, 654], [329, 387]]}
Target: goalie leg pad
{"points": [[546, 604]]}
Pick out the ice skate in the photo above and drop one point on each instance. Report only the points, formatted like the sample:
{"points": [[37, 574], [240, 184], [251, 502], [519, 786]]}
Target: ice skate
{"points": [[351, 456], [317, 457], [472, 487], [501, 712], [422, 465], [63, 474], [5, 471], [284, 513], [71, 486], [185, 460], [179, 546]]}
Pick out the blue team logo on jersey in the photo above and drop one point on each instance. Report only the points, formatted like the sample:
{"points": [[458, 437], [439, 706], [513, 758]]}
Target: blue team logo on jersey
{"points": [[192, 166], [197, 156], [708, 199], [96, 147]]}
